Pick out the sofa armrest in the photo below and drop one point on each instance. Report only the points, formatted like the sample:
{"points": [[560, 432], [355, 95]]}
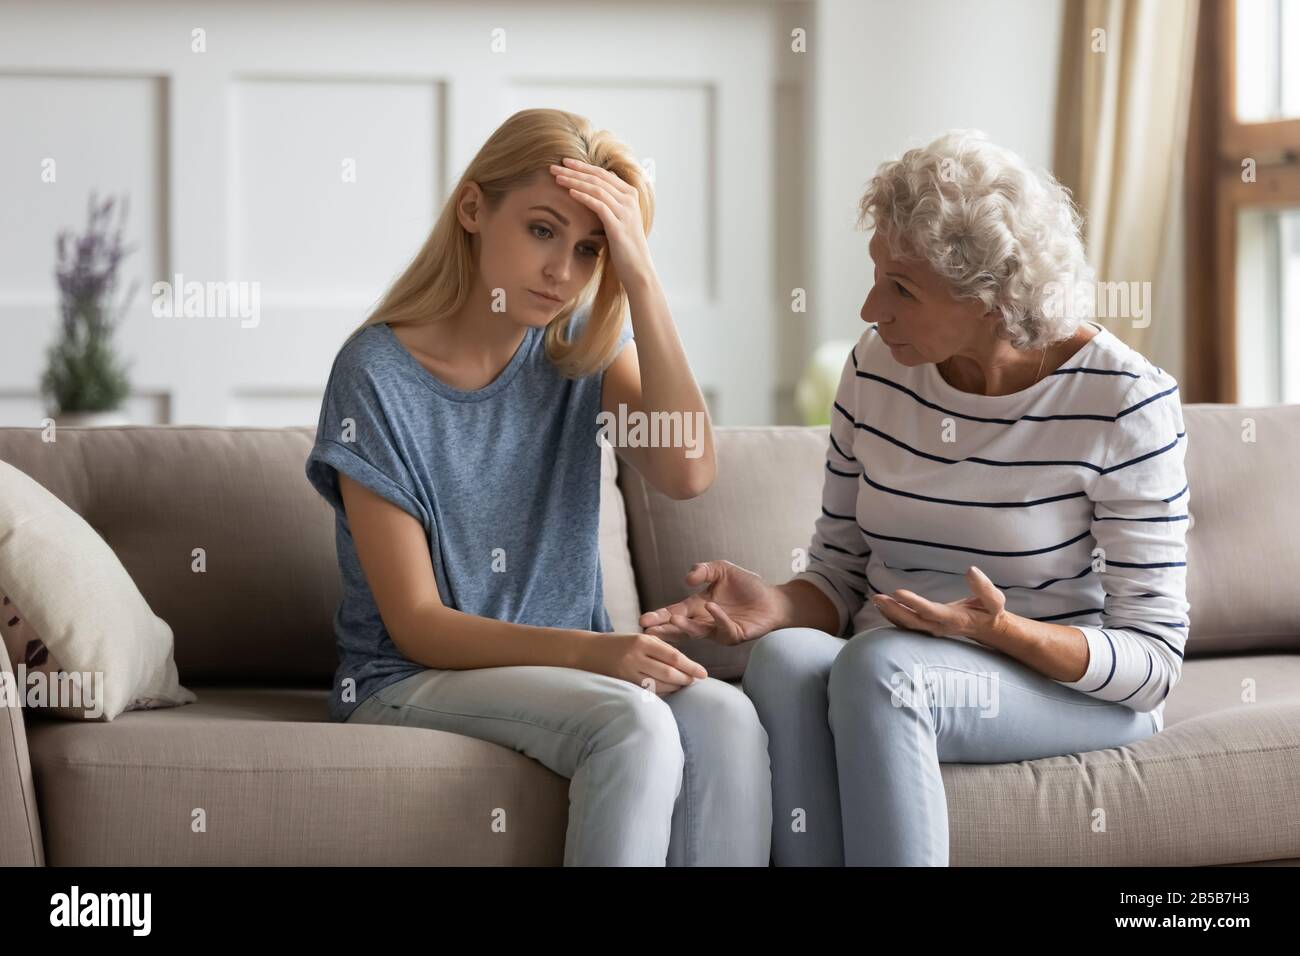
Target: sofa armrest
{"points": [[20, 827]]}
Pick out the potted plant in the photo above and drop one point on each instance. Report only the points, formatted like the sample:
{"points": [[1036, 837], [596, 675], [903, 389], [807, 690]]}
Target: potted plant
{"points": [[84, 382]]}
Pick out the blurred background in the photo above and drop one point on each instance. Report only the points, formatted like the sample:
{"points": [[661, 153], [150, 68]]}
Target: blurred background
{"points": [[296, 154]]}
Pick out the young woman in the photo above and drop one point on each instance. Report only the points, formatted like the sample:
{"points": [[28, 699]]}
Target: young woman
{"points": [[999, 570], [458, 444]]}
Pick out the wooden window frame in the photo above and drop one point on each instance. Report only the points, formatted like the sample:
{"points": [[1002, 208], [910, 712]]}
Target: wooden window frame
{"points": [[1217, 145]]}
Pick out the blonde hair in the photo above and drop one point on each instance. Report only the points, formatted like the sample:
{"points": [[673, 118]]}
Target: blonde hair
{"points": [[994, 228], [437, 282]]}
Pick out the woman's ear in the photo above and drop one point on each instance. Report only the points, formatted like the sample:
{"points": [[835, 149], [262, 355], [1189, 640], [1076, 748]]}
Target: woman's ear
{"points": [[470, 206]]}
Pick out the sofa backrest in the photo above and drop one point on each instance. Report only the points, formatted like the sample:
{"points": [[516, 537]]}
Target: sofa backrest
{"points": [[1243, 543], [262, 610]]}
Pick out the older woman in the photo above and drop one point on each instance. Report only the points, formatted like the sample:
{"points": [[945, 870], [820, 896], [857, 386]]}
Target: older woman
{"points": [[998, 572]]}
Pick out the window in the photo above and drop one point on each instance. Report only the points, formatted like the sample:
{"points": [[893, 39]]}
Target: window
{"points": [[1243, 205]]}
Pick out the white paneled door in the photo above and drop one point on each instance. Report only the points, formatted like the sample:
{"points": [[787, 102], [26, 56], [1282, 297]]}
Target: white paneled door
{"points": [[304, 150]]}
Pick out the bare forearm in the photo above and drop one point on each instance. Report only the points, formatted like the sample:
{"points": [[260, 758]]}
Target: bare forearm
{"points": [[667, 384], [442, 637], [804, 605], [1054, 650]]}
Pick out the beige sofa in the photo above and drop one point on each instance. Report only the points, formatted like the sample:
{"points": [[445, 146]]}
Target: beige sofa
{"points": [[279, 784]]}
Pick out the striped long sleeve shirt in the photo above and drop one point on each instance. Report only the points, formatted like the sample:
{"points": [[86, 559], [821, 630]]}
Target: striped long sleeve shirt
{"points": [[1071, 495]]}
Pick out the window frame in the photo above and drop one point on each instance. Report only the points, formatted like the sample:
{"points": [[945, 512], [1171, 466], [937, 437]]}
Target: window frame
{"points": [[1217, 145]]}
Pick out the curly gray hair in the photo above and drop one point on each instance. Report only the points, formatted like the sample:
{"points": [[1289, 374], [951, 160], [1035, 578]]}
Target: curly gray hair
{"points": [[995, 229]]}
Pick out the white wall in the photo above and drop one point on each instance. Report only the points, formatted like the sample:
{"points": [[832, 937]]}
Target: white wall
{"points": [[232, 161], [893, 75]]}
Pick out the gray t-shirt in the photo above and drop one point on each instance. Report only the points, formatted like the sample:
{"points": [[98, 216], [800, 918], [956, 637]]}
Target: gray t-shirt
{"points": [[505, 481]]}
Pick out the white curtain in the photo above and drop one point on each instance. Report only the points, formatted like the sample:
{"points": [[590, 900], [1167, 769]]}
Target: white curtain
{"points": [[1121, 132]]}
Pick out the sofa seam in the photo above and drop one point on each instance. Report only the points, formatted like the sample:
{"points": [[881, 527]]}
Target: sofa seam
{"points": [[654, 541], [1015, 768], [16, 720], [27, 808], [989, 768], [298, 770]]}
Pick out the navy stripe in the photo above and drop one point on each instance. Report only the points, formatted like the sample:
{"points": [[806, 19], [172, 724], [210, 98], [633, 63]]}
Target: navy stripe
{"points": [[973, 504], [1130, 627], [1059, 617], [1094, 417], [1060, 371], [979, 418], [978, 461], [1008, 464], [1147, 401], [1114, 660], [1179, 495], [837, 447], [1150, 454], [851, 554], [1001, 587], [956, 547], [1150, 667], [1093, 371], [1163, 518], [842, 474], [831, 514], [1164, 564]]}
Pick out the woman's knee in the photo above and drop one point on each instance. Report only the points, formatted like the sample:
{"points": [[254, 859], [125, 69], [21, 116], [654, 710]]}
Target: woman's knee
{"points": [[882, 666], [715, 710], [637, 722], [785, 654]]}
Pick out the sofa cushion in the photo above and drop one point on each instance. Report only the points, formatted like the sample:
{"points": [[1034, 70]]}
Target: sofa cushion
{"points": [[114, 653], [1216, 786], [279, 785], [619, 584], [1243, 559]]}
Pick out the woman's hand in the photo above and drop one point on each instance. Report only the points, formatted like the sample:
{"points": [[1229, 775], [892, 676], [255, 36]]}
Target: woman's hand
{"points": [[641, 659], [735, 606], [982, 617], [619, 210]]}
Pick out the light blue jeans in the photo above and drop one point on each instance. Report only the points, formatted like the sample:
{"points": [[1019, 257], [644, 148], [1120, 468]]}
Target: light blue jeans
{"points": [[857, 729], [681, 780]]}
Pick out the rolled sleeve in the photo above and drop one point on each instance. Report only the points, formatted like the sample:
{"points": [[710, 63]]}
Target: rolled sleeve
{"points": [[357, 436]]}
